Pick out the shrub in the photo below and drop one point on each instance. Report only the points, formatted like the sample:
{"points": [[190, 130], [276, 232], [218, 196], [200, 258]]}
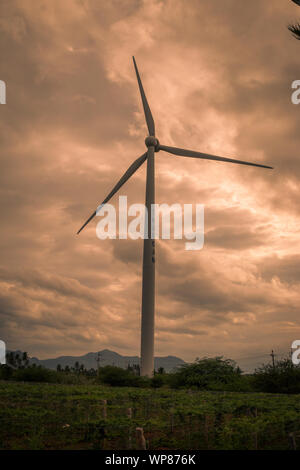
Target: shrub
{"points": [[34, 374], [283, 378], [118, 377], [208, 374], [157, 381], [5, 372]]}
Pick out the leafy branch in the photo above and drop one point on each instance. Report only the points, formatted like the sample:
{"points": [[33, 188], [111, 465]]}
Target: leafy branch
{"points": [[295, 28]]}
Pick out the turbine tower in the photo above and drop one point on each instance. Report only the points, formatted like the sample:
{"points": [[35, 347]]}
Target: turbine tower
{"points": [[148, 284]]}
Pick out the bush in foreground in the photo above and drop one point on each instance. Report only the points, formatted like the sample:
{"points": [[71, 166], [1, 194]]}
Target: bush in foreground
{"points": [[34, 374], [41, 374], [118, 377], [284, 377], [209, 374]]}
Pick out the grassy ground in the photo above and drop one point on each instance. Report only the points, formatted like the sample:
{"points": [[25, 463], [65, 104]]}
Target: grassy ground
{"points": [[50, 416]]}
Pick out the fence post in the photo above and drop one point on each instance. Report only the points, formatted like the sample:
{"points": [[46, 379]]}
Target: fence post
{"points": [[104, 410], [206, 424], [255, 434], [190, 427], [292, 441], [141, 442], [172, 421], [129, 416]]}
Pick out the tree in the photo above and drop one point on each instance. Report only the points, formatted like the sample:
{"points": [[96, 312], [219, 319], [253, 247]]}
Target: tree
{"points": [[34, 374], [25, 359], [295, 28], [208, 374], [283, 377], [157, 381], [116, 376], [17, 360], [10, 359]]}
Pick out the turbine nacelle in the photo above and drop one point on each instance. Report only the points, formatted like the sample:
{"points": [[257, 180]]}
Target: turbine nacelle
{"points": [[152, 141]]}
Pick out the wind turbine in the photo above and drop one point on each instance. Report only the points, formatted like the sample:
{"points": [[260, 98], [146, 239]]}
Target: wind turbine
{"points": [[148, 289]]}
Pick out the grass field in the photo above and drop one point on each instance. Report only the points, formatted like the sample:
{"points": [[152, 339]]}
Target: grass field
{"points": [[51, 416]]}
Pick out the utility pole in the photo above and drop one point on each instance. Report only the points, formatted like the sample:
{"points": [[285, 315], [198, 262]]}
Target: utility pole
{"points": [[273, 358], [98, 360]]}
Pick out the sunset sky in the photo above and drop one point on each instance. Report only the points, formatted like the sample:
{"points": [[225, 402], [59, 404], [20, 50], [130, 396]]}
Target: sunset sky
{"points": [[218, 78]]}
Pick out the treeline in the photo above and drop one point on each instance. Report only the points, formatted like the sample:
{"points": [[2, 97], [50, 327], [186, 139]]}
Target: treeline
{"points": [[215, 374]]}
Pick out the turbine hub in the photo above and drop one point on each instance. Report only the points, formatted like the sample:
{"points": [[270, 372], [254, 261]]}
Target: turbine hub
{"points": [[152, 141]]}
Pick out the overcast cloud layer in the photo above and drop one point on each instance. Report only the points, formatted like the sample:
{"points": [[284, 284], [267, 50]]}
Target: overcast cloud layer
{"points": [[218, 78]]}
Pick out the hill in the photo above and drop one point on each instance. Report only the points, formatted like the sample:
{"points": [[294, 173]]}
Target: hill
{"points": [[107, 357]]}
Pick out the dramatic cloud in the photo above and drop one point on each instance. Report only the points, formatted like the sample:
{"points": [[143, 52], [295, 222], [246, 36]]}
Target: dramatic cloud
{"points": [[218, 78]]}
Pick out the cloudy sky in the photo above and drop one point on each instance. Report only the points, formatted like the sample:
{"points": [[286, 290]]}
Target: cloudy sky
{"points": [[218, 78]]}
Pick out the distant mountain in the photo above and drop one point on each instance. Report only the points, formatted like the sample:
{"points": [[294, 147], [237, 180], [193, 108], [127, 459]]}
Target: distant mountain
{"points": [[107, 357]]}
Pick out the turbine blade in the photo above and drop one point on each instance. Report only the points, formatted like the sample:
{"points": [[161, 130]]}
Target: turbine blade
{"points": [[128, 173], [206, 156], [147, 111]]}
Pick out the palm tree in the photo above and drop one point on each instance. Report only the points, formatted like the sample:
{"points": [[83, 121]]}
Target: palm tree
{"points": [[11, 360], [25, 359], [18, 360], [295, 28]]}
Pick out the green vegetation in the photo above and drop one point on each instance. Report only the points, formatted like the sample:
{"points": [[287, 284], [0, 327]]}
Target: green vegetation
{"points": [[55, 416], [210, 374], [215, 374], [209, 404], [295, 28], [283, 378]]}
